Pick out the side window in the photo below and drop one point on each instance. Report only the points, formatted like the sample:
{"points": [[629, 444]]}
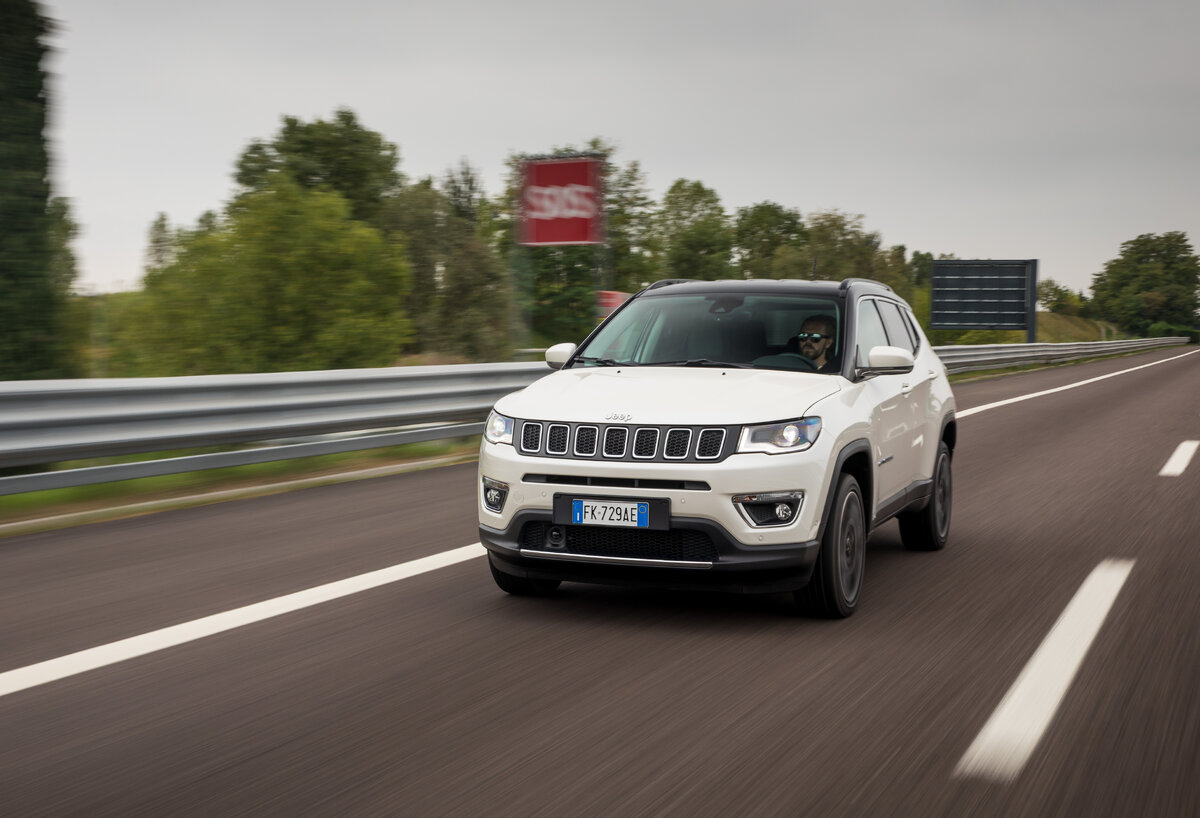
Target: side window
{"points": [[870, 331], [910, 323], [897, 331]]}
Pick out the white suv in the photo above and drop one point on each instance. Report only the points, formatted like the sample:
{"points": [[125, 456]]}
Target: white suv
{"points": [[692, 441]]}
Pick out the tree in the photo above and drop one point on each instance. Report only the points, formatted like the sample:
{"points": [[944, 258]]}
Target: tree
{"points": [[340, 155], [1058, 299], [1153, 280], [629, 213], [464, 189], [424, 217], [696, 238], [31, 307], [287, 281], [759, 231], [459, 300]]}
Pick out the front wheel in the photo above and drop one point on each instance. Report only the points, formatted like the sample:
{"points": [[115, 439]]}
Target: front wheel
{"points": [[929, 528], [522, 586], [837, 577]]}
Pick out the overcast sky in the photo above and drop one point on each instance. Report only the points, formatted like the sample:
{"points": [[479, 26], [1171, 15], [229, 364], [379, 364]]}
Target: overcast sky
{"points": [[1052, 129]]}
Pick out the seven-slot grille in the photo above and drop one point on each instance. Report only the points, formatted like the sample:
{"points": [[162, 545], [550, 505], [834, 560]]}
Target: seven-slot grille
{"points": [[619, 442]]}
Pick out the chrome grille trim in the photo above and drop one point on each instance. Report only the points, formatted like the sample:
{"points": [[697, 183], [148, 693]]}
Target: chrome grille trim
{"points": [[595, 435], [700, 443], [558, 430], [614, 433], [527, 427], [687, 444], [637, 443]]}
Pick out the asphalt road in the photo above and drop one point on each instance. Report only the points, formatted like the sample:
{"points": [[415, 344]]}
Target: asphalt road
{"points": [[440, 695]]}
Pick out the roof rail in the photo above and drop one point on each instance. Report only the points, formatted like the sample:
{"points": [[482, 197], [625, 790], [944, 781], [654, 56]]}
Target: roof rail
{"points": [[667, 282], [846, 282]]}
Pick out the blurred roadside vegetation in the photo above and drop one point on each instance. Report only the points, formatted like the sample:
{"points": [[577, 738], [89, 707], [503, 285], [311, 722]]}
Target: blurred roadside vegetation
{"points": [[327, 256]]}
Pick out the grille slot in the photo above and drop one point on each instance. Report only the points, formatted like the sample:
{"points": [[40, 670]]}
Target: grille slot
{"points": [[711, 441], [615, 438], [557, 437], [645, 443], [678, 443], [585, 441], [531, 437], [597, 541]]}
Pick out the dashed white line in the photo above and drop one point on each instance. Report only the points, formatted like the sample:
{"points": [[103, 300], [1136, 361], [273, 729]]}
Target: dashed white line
{"points": [[1178, 462], [1014, 730], [54, 669]]}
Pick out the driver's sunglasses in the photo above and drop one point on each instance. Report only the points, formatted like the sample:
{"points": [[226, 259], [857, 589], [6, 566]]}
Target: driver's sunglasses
{"points": [[816, 336]]}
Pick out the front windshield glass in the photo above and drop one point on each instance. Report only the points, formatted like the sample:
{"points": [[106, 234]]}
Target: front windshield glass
{"points": [[764, 331]]}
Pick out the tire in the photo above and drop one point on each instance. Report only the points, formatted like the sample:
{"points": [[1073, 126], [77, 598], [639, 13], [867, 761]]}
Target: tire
{"points": [[929, 528], [837, 580], [522, 586]]}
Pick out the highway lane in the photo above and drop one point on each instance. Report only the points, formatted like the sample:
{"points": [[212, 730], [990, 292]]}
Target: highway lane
{"points": [[439, 695]]}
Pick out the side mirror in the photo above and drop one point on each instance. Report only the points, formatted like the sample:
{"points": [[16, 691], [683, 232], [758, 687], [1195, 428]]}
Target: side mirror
{"points": [[888, 361], [558, 354]]}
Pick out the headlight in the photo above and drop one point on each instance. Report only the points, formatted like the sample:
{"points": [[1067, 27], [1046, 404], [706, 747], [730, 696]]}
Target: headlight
{"points": [[777, 438], [499, 429]]}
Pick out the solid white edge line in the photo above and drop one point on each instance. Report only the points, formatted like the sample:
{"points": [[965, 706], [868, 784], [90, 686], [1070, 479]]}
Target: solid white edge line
{"points": [[1178, 462], [1015, 728], [974, 410], [74, 663]]}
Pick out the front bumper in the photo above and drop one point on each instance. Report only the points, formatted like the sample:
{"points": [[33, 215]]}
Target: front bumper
{"points": [[715, 561]]}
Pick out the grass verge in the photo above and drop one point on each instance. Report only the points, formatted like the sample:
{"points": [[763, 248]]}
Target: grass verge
{"points": [[39, 510]]}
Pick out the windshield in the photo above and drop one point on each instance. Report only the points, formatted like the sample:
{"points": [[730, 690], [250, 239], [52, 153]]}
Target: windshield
{"points": [[764, 331]]}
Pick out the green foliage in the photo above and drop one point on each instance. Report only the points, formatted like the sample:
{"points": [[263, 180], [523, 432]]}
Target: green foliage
{"points": [[695, 235], [1154, 280], [340, 155], [289, 281], [32, 304], [1058, 299], [760, 231], [629, 213], [460, 295]]}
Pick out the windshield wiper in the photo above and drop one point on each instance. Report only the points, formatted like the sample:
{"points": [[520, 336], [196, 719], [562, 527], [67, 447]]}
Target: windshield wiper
{"points": [[704, 362], [599, 361]]}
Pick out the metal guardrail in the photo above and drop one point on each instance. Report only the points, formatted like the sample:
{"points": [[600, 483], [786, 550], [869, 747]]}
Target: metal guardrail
{"points": [[999, 356], [49, 422]]}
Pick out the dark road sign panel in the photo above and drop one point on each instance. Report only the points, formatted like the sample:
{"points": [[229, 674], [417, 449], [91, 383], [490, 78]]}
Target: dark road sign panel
{"points": [[984, 294]]}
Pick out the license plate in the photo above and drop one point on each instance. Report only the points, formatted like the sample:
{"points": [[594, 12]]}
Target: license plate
{"points": [[610, 512]]}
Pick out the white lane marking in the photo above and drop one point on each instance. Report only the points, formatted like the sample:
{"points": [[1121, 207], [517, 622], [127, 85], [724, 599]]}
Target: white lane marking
{"points": [[1014, 730], [1178, 462], [968, 412], [54, 669]]}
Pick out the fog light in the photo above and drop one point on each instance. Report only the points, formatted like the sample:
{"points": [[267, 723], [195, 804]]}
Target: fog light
{"points": [[769, 508], [494, 494]]}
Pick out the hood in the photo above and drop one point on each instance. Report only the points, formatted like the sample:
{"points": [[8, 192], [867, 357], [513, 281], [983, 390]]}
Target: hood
{"points": [[668, 395]]}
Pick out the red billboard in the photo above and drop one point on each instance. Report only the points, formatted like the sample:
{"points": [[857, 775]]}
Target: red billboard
{"points": [[561, 202]]}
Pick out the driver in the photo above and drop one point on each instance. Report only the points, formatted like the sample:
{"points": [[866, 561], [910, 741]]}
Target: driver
{"points": [[816, 339]]}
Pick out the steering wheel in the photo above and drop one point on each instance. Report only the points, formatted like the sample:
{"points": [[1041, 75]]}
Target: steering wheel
{"points": [[808, 363]]}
